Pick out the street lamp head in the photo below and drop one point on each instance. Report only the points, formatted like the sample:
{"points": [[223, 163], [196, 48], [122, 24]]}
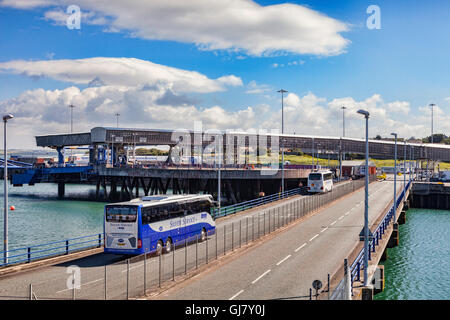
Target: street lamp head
{"points": [[282, 91], [394, 134], [7, 116], [363, 112]]}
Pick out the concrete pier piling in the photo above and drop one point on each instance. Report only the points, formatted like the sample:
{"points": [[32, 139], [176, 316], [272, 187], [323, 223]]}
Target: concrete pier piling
{"points": [[378, 280], [367, 293], [394, 239], [61, 189], [402, 217]]}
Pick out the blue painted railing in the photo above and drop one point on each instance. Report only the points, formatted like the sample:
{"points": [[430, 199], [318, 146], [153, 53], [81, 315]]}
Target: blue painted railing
{"points": [[378, 233], [232, 209], [51, 249]]}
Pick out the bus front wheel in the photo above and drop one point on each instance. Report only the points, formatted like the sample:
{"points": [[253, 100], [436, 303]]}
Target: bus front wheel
{"points": [[203, 235]]}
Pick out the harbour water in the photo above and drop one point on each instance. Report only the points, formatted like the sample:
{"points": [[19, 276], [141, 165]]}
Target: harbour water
{"points": [[39, 217], [419, 268]]}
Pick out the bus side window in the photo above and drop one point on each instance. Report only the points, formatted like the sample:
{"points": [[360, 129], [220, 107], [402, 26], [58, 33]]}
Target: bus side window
{"points": [[175, 211], [154, 216], [205, 206], [188, 208], [164, 212], [182, 209], [145, 215]]}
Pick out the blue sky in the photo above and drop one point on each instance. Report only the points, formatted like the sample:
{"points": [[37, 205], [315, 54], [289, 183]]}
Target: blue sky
{"points": [[405, 63]]}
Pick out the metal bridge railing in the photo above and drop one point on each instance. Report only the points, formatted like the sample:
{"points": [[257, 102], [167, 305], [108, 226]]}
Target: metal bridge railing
{"points": [[234, 208], [50, 249]]}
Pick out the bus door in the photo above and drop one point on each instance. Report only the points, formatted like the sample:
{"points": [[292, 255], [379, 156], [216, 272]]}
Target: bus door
{"points": [[176, 221]]}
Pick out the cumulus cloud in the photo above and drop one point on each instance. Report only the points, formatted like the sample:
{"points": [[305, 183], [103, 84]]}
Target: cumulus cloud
{"points": [[27, 4], [120, 71], [399, 107], [236, 25], [255, 88], [46, 111]]}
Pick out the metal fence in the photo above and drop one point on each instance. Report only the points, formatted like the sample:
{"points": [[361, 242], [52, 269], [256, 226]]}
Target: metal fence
{"points": [[234, 208], [146, 274]]}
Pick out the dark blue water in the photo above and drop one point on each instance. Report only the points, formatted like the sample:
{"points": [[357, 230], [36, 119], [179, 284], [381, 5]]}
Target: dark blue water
{"points": [[39, 217], [419, 268]]}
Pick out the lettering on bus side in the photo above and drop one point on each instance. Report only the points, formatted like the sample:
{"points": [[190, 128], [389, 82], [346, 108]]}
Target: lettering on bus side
{"points": [[188, 220], [175, 223]]}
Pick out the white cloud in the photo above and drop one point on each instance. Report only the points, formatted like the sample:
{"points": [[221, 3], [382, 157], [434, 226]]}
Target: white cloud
{"points": [[46, 111], [120, 71], [236, 25], [26, 4], [399, 107], [437, 111], [254, 88]]}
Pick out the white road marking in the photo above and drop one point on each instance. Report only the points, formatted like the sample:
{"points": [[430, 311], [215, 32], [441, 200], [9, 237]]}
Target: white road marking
{"points": [[84, 284], [236, 295], [280, 262], [341, 217], [296, 250], [314, 237], [333, 222], [324, 230], [259, 278]]}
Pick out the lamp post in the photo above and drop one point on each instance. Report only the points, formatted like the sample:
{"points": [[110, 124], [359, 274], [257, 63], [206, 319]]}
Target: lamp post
{"points": [[366, 201], [117, 116], [342, 155], [218, 154], [395, 173], [112, 149], [411, 176], [432, 105], [71, 106], [404, 166], [343, 120], [6, 117], [282, 91]]}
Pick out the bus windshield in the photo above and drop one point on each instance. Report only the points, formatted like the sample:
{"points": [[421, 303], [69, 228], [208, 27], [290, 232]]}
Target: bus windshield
{"points": [[121, 214], [315, 176]]}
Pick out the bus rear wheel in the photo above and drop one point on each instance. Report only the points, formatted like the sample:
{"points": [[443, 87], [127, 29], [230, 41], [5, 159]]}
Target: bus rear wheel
{"points": [[168, 245], [159, 248]]}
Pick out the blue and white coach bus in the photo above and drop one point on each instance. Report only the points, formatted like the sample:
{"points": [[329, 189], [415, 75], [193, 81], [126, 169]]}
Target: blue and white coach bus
{"points": [[154, 223]]}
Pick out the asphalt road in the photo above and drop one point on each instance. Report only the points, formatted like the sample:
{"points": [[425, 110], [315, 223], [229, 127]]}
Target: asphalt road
{"points": [[284, 267]]}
